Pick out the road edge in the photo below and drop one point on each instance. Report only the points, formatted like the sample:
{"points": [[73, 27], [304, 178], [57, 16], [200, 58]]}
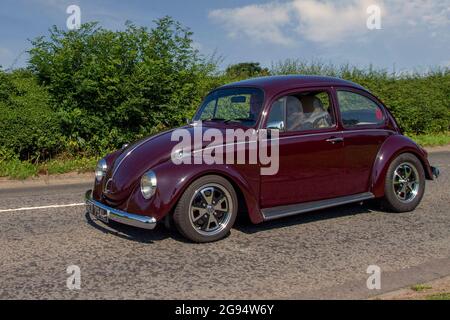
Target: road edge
{"points": [[430, 288], [46, 181], [77, 178]]}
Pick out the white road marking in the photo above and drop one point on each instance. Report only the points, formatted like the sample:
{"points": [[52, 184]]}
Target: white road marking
{"points": [[44, 207]]}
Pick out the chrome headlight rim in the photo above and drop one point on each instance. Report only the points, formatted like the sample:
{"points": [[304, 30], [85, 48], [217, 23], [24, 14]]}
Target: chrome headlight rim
{"points": [[100, 170], [148, 184]]}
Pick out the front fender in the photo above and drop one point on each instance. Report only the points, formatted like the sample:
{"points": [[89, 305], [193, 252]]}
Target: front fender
{"points": [[174, 179], [390, 149]]}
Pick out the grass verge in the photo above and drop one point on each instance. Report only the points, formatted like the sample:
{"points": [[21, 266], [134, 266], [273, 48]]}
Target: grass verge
{"points": [[439, 296], [432, 140], [437, 289], [421, 287], [16, 169]]}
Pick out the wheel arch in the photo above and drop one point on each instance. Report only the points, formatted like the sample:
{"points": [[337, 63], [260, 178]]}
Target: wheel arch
{"points": [[181, 179], [246, 199], [389, 150]]}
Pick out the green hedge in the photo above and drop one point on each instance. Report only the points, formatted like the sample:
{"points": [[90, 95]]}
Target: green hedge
{"points": [[110, 88], [29, 129], [419, 101], [88, 91]]}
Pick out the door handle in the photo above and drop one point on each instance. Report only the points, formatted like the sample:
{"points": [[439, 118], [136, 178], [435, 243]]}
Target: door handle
{"points": [[334, 140]]}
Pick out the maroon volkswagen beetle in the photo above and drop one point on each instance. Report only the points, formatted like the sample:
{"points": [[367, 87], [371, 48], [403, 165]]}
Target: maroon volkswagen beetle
{"points": [[337, 144]]}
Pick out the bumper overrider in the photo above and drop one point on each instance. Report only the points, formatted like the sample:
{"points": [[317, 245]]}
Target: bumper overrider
{"points": [[105, 214], [435, 171]]}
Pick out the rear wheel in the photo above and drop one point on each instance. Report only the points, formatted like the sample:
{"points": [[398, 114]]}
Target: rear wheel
{"points": [[206, 210], [404, 184]]}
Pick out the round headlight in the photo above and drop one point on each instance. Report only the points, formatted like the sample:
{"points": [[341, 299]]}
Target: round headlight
{"points": [[100, 170], [148, 184]]}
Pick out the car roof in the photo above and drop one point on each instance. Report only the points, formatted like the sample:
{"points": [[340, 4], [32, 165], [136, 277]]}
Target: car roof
{"points": [[282, 82]]}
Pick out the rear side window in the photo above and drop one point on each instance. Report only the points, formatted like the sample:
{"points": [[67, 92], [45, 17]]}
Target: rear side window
{"points": [[358, 110]]}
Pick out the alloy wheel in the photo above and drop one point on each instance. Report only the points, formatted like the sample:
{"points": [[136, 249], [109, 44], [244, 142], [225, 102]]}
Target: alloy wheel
{"points": [[210, 209], [406, 182]]}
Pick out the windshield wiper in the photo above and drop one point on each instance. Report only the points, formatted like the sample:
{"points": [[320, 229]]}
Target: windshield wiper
{"points": [[238, 119], [215, 119]]}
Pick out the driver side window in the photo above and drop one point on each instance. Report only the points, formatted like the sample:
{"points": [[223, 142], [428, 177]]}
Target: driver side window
{"points": [[303, 111]]}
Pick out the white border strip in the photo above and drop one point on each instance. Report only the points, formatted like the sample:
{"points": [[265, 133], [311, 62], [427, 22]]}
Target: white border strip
{"points": [[44, 207]]}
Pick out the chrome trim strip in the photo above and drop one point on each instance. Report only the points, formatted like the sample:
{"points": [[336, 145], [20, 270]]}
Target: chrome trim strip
{"points": [[299, 135], [330, 133], [367, 129], [289, 210], [119, 216]]}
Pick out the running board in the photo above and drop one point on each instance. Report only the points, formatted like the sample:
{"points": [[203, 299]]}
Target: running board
{"points": [[293, 209]]}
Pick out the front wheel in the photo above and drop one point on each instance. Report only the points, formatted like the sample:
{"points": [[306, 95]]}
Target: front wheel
{"points": [[206, 210], [404, 184]]}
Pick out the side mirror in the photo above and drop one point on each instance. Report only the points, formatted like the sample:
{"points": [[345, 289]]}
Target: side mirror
{"points": [[188, 121], [276, 125]]}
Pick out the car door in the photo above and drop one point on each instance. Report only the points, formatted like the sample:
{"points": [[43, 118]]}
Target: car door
{"points": [[364, 122], [310, 155]]}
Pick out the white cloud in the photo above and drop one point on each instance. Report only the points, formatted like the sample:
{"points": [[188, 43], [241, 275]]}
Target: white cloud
{"points": [[415, 17], [432, 13], [258, 22], [329, 22]]}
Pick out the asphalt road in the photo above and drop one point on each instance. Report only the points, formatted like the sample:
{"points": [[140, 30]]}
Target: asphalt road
{"points": [[316, 255]]}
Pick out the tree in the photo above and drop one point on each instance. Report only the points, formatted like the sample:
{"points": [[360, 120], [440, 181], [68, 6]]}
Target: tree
{"points": [[113, 87], [246, 70]]}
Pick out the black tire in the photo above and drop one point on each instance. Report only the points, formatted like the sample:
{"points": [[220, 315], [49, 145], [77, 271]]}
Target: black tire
{"points": [[184, 217], [393, 192]]}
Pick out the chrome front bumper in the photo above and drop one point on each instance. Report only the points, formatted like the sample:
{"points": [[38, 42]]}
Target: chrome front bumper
{"points": [[119, 216]]}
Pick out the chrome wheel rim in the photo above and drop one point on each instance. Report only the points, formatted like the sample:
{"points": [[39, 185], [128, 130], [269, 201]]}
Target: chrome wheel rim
{"points": [[210, 209], [406, 182]]}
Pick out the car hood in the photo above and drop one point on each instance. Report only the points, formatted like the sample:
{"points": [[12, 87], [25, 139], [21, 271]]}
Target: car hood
{"points": [[133, 161]]}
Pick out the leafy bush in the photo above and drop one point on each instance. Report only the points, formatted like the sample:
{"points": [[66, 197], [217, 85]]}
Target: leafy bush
{"points": [[112, 87], [420, 102], [29, 129], [89, 91]]}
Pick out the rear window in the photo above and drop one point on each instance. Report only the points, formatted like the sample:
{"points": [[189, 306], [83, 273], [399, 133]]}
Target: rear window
{"points": [[358, 110]]}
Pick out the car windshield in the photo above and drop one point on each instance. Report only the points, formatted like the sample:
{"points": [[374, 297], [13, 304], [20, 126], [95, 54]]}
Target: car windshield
{"points": [[232, 105]]}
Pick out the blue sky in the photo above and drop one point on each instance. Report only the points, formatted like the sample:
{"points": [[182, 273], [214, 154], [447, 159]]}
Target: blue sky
{"points": [[414, 34]]}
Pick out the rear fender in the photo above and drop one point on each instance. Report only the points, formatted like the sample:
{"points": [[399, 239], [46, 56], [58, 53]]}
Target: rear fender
{"points": [[392, 147]]}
